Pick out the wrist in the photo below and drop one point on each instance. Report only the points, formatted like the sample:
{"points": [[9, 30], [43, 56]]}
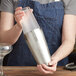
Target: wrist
{"points": [[55, 58], [53, 61]]}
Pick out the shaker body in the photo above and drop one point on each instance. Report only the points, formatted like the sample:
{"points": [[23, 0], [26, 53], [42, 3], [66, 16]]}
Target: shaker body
{"points": [[38, 46]]}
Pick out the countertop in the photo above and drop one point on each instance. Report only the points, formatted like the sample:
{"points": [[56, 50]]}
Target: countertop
{"points": [[32, 71]]}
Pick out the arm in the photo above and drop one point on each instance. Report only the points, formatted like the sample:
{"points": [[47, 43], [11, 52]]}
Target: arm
{"points": [[9, 33], [68, 38], [68, 41]]}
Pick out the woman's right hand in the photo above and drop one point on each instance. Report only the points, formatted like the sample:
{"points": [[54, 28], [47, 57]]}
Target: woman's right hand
{"points": [[19, 14]]}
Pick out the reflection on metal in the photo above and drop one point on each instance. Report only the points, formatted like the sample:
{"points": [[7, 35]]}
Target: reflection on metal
{"points": [[38, 46]]}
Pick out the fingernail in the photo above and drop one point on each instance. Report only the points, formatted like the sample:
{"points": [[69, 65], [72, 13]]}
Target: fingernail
{"points": [[49, 64]]}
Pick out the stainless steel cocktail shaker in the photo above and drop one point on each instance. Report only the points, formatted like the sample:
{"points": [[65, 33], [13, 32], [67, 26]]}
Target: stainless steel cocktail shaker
{"points": [[35, 38]]}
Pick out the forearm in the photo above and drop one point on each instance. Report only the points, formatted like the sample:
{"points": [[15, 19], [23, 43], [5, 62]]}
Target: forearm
{"points": [[10, 36], [68, 37], [64, 50]]}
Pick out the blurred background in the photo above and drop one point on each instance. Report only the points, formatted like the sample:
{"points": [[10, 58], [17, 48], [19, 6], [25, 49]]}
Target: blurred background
{"points": [[72, 56]]}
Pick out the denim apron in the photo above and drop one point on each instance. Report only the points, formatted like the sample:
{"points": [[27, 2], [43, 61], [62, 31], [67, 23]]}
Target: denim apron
{"points": [[50, 18]]}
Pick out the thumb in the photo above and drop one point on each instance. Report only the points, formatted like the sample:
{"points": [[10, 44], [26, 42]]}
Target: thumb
{"points": [[52, 62]]}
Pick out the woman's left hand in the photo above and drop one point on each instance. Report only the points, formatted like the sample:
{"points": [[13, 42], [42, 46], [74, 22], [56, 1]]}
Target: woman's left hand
{"points": [[50, 69]]}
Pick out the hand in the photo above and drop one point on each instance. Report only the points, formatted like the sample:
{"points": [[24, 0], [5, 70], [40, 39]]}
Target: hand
{"points": [[19, 14], [50, 69]]}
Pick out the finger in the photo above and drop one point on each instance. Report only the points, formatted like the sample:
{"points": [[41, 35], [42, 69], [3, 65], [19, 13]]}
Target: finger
{"points": [[18, 19], [19, 16], [52, 69], [19, 12], [43, 70], [51, 63], [18, 8], [31, 10]]}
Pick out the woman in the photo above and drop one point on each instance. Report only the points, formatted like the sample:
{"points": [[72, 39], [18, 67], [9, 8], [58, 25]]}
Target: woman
{"points": [[49, 15]]}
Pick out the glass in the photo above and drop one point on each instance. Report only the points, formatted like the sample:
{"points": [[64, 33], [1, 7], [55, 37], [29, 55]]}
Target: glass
{"points": [[4, 50], [28, 22]]}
